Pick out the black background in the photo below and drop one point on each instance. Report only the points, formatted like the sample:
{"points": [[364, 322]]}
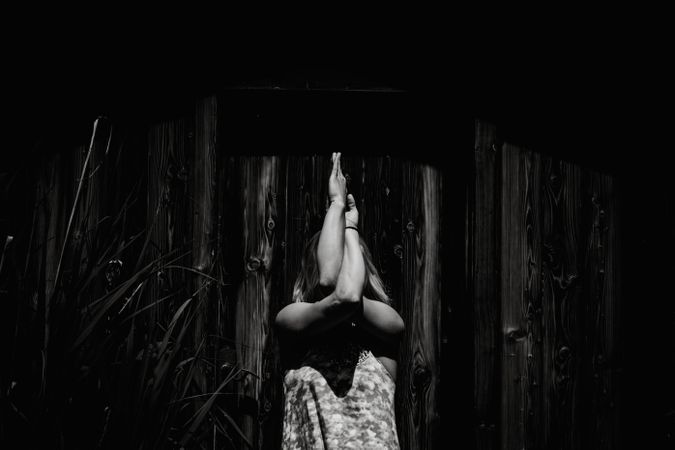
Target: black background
{"points": [[594, 99]]}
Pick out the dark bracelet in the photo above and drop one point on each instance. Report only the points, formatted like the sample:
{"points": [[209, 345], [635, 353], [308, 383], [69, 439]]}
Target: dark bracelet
{"points": [[353, 228]]}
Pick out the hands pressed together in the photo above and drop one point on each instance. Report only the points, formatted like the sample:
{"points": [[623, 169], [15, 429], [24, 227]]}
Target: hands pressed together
{"points": [[342, 274], [337, 192]]}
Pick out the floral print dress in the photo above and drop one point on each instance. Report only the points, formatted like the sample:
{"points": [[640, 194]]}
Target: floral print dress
{"points": [[339, 396]]}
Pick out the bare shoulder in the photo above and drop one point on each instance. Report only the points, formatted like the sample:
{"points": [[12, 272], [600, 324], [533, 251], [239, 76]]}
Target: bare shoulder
{"points": [[384, 317], [290, 314]]}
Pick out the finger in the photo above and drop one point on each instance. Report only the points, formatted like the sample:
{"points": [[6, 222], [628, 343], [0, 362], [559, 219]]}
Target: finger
{"points": [[339, 166], [350, 201], [335, 163]]}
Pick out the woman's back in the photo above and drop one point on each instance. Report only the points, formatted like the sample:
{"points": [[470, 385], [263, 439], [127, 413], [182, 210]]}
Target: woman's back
{"points": [[338, 395]]}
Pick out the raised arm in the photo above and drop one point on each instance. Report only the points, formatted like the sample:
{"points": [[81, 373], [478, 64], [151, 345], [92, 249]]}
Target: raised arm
{"points": [[352, 275], [345, 302], [329, 252]]}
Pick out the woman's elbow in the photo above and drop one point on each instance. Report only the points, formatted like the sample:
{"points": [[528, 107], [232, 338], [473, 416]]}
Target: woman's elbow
{"points": [[327, 281], [347, 295], [399, 326]]}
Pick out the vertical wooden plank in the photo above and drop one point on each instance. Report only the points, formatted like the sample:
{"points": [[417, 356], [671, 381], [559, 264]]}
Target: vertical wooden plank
{"points": [[531, 306], [168, 213], [232, 252], [271, 399], [519, 285], [564, 206], [231, 271], [204, 231], [297, 227], [381, 223], [430, 317], [602, 356], [483, 262], [419, 365], [260, 184]]}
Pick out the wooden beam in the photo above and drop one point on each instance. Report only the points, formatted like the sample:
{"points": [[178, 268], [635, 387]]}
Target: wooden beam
{"points": [[255, 303], [482, 226], [519, 287], [419, 368]]}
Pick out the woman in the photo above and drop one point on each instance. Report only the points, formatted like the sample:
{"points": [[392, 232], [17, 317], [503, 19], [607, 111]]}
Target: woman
{"points": [[339, 339]]}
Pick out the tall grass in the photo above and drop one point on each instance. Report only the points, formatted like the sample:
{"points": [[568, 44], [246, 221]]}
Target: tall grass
{"points": [[105, 362]]}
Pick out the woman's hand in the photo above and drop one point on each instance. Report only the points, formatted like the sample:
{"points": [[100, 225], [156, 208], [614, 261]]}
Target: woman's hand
{"points": [[337, 185], [351, 213]]}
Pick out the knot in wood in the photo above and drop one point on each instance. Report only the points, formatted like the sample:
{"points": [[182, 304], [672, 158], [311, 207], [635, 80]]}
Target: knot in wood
{"points": [[564, 353], [421, 376], [410, 226], [182, 174], [170, 172], [254, 264], [530, 312], [515, 334], [398, 251], [270, 224]]}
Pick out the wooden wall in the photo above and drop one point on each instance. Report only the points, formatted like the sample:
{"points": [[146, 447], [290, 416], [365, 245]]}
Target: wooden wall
{"points": [[266, 209], [543, 257], [232, 221], [541, 307]]}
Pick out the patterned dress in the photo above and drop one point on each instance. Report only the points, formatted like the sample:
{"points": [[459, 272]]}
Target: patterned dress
{"points": [[339, 396]]}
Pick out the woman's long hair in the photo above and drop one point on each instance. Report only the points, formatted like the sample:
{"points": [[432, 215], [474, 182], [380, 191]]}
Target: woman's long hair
{"points": [[307, 289]]}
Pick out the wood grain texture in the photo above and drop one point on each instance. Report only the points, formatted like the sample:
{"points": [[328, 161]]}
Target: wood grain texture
{"points": [[243, 220], [170, 154], [602, 359], [519, 284], [204, 220], [565, 211], [559, 296], [255, 306], [417, 390], [381, 221], [482, 260], [305, 191]]}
